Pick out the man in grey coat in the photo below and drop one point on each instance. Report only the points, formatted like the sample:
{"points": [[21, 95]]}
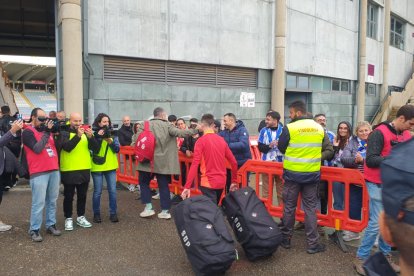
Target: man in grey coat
{"points": [[165, 162], [4, 140]]}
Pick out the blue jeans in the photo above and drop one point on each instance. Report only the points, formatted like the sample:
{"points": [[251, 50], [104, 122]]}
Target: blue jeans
{"points": [[338, 195], [372, 230], [110, 177], [162, 180], [45, 191]]}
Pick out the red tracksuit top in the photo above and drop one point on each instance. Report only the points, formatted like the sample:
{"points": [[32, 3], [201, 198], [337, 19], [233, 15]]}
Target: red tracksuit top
{"points": [[211, 152]]}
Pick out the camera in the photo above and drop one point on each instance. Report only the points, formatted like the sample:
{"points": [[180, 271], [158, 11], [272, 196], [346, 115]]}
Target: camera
{"points": [[59, 126], [108, 131]]}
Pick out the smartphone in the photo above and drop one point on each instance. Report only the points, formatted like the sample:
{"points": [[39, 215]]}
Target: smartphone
{"points": [[85, 127]]}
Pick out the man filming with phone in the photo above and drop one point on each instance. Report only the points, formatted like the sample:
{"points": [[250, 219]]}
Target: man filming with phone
{"points": [[75, 167]]}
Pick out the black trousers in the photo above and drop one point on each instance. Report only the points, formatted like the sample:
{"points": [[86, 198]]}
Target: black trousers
{"points": [[213, 194], [69, 193], [5, 180]]}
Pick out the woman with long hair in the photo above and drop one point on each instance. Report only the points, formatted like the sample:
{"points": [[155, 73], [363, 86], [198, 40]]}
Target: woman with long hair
{"points": [[343, 134], [353, 157], [104, 164]]}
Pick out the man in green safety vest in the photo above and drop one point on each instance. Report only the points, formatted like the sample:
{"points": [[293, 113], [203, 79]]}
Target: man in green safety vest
{"points": [[304, 143], [75, 168]]}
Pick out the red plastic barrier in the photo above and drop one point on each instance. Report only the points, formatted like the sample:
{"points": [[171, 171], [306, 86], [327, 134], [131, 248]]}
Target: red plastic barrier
{"points": [[254, 148], [127, 172], [334, 218]]}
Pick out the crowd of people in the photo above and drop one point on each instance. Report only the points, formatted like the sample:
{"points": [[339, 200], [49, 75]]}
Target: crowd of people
{"points": [[59, 150]]}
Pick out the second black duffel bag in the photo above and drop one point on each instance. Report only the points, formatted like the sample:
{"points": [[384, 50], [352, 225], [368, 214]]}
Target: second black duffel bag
{"points": [[254, 228]]}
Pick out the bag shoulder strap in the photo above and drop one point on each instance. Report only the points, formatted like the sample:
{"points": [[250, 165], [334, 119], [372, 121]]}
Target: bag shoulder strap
{"points": [[146, 126]]}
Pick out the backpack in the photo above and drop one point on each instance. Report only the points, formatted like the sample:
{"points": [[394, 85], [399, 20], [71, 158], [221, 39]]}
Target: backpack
{"points": [[145, 145]]}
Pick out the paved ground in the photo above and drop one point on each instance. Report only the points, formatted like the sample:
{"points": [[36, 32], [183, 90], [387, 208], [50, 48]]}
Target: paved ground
{"points": [[134, 246]]}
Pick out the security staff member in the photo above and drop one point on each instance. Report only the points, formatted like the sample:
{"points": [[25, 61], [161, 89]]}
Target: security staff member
{"points": [[304, 143], [75, 167]]}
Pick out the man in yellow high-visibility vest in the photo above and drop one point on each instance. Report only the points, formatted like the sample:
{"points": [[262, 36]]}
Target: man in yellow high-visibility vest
{"points": [[304, 143]]}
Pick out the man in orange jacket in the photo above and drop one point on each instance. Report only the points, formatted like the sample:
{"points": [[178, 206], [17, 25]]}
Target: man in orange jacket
{"points": [[211, 152]]}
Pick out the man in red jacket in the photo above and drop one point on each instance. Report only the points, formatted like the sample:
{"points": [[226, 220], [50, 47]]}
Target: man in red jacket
{"points": [[211, 152]]}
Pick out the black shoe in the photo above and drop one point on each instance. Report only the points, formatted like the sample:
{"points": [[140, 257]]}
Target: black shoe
{"points": [[97, 218], [286, 243], [6, 188], [153, 192], [319, 248], [113, 218], [53, 231], [35, 235]]}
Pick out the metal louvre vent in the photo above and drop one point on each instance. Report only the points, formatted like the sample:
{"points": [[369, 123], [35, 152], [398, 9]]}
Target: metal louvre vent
{"points": [[187, 73], [233, 76], [133, 70], [144, 70]]}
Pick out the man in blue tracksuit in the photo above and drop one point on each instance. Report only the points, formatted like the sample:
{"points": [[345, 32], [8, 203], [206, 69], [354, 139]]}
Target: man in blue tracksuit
{"points": [[236, 136]]}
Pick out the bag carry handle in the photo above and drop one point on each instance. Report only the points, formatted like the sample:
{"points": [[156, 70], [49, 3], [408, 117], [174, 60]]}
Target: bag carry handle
{"points": [[194, 215]]}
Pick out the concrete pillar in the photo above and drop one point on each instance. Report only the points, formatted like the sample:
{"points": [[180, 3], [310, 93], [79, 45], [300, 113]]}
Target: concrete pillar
{"points": [[387, 27], [362, 60], [70, 20], [278, 75]]}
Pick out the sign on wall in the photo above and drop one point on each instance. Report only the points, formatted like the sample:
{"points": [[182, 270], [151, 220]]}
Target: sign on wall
{"points": [[247, 99]]}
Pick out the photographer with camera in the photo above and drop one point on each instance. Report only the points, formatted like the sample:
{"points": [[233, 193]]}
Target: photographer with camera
{"points": [[42, 162], [75, 167], [104, 164], [4, 140], [14, 145]]}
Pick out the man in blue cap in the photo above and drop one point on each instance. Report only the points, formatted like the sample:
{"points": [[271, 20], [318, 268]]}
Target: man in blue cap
{"points": [[397, 219]]}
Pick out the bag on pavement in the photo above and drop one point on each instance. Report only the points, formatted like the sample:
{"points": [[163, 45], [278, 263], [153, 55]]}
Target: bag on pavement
{"points": [[205, 237], [254, 228]]}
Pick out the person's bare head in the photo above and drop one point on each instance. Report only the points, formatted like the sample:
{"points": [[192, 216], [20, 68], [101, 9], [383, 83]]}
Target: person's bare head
{"points": [[52, 114], [207, 122], [75, 120], [297, 109], [320, 119], [126, 121], [61, 115], [229, 121], [38, 117], [160, 113], [405, 118]]}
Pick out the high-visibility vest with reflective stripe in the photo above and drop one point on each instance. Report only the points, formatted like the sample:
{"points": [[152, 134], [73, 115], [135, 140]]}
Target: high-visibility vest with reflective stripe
{"points": [[304, 151], [111, 160], [77, 159]]}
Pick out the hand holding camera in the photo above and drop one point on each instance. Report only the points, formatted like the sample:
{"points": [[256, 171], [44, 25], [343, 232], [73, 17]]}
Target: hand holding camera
{"points": [[16, 126]]}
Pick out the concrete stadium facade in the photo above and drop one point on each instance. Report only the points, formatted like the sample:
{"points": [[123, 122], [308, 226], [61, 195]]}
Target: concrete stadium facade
{"points": [[321, 57]]}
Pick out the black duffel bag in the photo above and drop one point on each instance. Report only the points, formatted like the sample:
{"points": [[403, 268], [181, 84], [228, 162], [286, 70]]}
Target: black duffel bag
{"points": [[254, 228], [206, 239]]}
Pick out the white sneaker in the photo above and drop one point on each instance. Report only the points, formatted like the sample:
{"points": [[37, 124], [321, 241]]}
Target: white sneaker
{"points": [[351, 236], [131, 188], [83, 222], [68, 224], [147, 213], [157, 196], [4, 227], [164, 215]]}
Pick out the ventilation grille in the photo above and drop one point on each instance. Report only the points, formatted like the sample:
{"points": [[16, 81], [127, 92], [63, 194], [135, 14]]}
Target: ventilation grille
{"points": [[171, 72]]}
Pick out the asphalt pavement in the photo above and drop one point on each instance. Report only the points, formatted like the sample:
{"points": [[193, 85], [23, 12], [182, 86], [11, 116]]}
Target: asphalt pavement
{"points": [[134, 246]]}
